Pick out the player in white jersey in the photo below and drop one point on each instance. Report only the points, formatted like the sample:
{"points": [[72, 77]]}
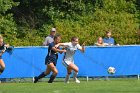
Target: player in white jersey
{"points": [[68, 60]]}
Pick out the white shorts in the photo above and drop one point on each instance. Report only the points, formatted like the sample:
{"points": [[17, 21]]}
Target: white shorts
{"points": [[66, 63]]}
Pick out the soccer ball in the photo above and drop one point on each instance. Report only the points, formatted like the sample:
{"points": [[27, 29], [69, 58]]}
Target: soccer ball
{"points": [[111, 70]]}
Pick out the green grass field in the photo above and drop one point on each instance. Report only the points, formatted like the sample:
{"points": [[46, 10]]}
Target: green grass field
{"points": [[92, 86]]}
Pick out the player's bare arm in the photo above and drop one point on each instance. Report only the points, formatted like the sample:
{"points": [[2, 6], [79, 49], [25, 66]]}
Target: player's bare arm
{"points": [[58, 50]]}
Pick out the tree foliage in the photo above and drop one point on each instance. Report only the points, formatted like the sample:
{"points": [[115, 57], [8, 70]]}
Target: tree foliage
{"points": [[7, 24], [27, 22]]}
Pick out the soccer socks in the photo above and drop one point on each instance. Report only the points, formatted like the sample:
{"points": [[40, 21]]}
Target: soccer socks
{"points": [[52, 78], [75, 77], [43, 75], [67, 78], [39, 77]]}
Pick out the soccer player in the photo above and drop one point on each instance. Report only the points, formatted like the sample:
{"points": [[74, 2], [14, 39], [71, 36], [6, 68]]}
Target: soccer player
{"points": [[68, 60], [3, 48], [51, 60]]}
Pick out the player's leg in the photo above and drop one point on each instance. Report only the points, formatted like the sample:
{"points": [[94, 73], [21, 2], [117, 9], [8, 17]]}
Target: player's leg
{"points": [[43, 74], [76, 69], [69, 70], [2, 66], [54, 70]]}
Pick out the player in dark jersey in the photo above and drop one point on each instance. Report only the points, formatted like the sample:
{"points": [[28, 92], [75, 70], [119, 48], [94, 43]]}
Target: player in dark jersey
{"points": [[3, 48], [51, 60]]}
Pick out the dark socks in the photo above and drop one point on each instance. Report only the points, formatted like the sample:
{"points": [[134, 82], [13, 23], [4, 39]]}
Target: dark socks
{"points": [[43, 75], [39, 77], [52, 78]]}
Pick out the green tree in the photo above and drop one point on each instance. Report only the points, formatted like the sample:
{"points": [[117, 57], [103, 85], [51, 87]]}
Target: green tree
{"points": [[120, 16], [86, 19], [7, 24]]}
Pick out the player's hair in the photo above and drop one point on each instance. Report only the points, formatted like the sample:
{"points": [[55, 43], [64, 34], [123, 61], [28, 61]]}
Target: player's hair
{"points": [[56, 36], [99, 38], [74, 38]]}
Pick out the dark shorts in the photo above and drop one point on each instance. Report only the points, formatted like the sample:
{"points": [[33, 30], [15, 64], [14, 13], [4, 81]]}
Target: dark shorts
{"points": [[0, 57], [49, 60]]}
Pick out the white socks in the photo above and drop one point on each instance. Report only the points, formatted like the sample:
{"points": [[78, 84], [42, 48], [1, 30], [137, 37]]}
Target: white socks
{"points": [[74, 77], [67, 78]]}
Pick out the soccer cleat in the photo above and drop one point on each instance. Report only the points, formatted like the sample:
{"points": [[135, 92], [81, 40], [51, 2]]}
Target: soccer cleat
{"points": [[76, 80], [67, 81], [49, 81], [35, 80]]}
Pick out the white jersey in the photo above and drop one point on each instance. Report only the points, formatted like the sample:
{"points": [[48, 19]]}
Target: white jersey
{"points": [[71, 49]]}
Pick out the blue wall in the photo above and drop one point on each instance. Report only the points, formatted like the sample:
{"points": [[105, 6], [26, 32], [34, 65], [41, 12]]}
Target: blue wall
{"points": [[29, 61]]}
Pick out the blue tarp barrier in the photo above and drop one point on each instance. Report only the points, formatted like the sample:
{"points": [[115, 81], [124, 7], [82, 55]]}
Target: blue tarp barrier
{"points": [[29, 61]]}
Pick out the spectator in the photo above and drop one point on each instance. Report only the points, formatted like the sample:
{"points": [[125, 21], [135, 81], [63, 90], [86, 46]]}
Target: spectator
{"points": [[49, 39], [100, 42], [109, 40]]}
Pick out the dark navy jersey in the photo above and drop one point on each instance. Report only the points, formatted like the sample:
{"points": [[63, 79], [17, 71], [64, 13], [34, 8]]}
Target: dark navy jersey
{"points": [[52, 53], [2, 47]]}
